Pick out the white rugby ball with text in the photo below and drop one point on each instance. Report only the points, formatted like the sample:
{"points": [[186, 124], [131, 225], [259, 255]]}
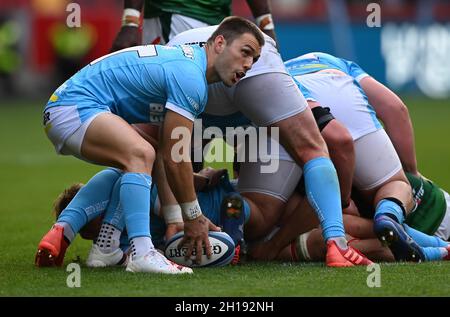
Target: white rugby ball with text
{"points": [[222, 250]]}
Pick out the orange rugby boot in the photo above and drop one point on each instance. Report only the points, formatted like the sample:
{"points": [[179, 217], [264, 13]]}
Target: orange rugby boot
{"points": [[337, 257], [52, 248]]}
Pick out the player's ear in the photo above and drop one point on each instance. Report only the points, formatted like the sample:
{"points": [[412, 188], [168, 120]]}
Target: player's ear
{"points": [[219, 44]]}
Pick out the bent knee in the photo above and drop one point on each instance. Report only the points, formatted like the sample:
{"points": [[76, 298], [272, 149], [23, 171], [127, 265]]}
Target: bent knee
{"points": [[140, 157]]}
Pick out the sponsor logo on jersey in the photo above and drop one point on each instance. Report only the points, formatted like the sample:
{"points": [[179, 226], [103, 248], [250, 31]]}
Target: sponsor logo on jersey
{"points": [[196, 43], [193, 103], [188, 51], [156, 113]]}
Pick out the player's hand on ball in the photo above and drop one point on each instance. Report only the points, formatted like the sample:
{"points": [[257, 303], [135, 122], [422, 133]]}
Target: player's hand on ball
{"points": [[196, 236], [173, 228]]}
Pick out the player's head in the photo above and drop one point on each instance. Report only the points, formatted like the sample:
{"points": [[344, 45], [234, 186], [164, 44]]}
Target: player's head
{"points": [[90, 230], [237, 44], [65, 198]]}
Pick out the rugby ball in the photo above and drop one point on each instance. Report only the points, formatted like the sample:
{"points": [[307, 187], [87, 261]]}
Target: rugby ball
{"points": [[222, 250]]}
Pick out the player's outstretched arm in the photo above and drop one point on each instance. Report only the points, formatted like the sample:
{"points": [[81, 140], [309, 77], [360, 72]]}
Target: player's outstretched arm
{"points": [[397, 123], [129, 33], [263, 17], [175, 150]]}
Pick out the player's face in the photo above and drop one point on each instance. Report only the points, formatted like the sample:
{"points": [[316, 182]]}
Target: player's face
{"points": [[237, 58]]}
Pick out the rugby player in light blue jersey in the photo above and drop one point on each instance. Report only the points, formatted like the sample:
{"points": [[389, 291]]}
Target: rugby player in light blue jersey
{"points": [[90, 117], [379, 175]]}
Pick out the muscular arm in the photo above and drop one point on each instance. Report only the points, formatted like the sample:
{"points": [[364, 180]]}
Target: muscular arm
{"points": [[397, 123], [128, 35], [175, 150], [259, 8], [178, 168]]}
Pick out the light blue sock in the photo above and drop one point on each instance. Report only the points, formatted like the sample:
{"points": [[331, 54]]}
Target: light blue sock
{"points": [[434, 254], [423, 239], [114, 212], [108, 239], [90, 202], [389, 208], [135, 201], [322, 190]]}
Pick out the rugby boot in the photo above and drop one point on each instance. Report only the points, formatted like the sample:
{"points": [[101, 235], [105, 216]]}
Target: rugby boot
{"points": [[394, 236], [337, 257], [52, 248]]}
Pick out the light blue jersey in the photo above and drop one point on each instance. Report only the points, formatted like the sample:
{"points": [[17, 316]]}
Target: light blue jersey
{"points": [[313, 62], [139, 84]]}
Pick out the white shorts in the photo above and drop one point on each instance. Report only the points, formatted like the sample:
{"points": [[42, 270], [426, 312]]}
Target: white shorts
{"points": [[152, 30], [376, 160], [443, 231], [264, 99], [346, 100], [280, 183], [65, 129]]}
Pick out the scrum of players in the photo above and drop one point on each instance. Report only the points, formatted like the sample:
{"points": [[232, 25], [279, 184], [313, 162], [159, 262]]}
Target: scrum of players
{"points": [[346, 191]]}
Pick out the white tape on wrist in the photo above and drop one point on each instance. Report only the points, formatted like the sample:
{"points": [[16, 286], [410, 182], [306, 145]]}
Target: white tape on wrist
{"points": [[172, 213], [265, 22], [191, 210], [131, 17]]}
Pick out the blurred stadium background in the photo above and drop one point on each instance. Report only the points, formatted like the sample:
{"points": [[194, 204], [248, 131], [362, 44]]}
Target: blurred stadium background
{"points": [[409, 53]]}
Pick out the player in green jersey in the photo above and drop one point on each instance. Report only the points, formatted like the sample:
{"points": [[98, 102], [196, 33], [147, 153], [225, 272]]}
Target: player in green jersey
{"points": [[163, 19]]}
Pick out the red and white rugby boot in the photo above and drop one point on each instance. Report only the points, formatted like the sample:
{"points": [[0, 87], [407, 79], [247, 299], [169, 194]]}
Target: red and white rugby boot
{"points": [[155, 262], [52, 248]]}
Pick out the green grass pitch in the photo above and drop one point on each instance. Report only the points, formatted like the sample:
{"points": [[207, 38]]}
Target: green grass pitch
{"points": [[32, 175]]}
